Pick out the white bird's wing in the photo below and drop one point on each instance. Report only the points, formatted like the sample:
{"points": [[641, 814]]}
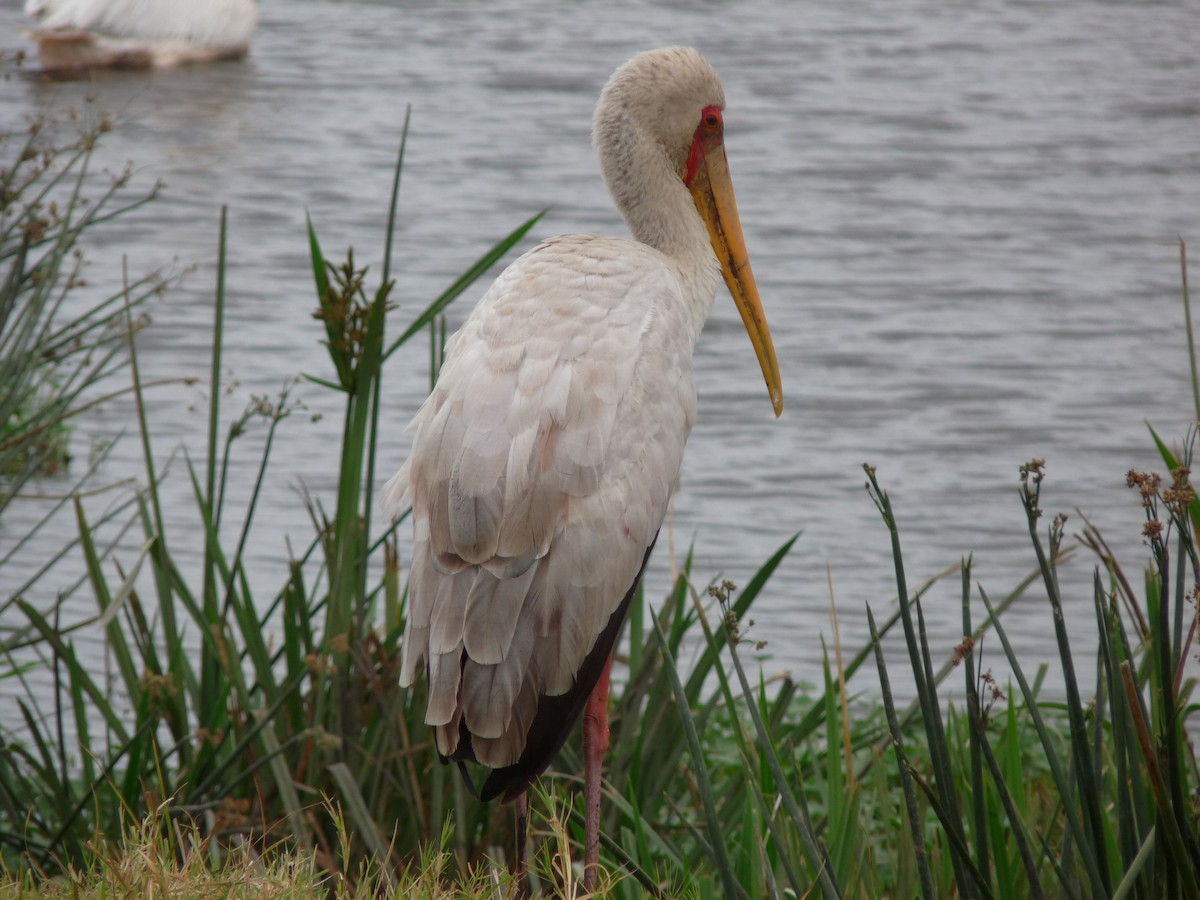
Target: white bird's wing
{"points": [[541, 469]]}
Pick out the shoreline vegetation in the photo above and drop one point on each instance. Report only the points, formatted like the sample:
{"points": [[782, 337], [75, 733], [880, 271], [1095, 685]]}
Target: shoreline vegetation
{"points": [[279, 757]]}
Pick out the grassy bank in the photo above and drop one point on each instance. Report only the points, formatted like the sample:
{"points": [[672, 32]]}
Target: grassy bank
{"points": [[246, 741]]}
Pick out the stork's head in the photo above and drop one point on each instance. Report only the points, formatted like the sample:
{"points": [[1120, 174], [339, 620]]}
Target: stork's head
{"points": [[661, 117]]}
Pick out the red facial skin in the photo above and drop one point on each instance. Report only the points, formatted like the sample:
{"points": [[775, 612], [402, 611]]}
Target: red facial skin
{"points": [[710, 133]]}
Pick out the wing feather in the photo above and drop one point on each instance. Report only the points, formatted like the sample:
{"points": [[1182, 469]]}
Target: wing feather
{"points": [[505, 749], [541, 469], [447, 735], [449, 616], [445, 675], [521, 467], [489, 691], [474, 522], [422, 592], [493, 609]]}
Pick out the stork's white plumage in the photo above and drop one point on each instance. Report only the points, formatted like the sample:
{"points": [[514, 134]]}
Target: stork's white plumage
{"points": [[544, 459], [76, 35]]}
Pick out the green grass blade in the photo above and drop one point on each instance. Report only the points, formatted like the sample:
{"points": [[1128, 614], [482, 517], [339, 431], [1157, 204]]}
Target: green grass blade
{"points": [[1145, 854], [108, 606], [389, 232], [1074, 823], [360, 815], [741, 606], [978, 804], [926, 687], [796, 804], [912, 811], [98, 697], [715, 829], [980, 741], [1188, 330], [209, 506]]}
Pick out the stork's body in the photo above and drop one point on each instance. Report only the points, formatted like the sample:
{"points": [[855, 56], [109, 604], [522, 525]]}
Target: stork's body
{"points": [[546, 455], [542, 468], [77, 35]]}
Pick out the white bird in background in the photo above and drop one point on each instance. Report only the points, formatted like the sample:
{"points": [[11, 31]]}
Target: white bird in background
{"points": [[544, 458], [75, 36]]}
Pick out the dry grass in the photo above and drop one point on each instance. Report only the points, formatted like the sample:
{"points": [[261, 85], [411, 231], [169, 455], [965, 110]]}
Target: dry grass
{"points": [[168, 859]]}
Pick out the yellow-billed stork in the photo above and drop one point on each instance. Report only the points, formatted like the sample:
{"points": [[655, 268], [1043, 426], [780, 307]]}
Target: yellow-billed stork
{"points": [[543, 461]]}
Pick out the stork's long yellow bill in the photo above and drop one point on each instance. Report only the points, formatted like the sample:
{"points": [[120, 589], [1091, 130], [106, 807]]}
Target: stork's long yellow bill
{"points": [[707, 177]]}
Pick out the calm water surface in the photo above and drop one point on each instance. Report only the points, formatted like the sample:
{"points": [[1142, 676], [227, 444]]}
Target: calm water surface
{"points": [[963, 220]]}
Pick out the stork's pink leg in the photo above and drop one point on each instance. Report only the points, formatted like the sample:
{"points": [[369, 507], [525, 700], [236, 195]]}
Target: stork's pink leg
{"points": [[595, 743]]}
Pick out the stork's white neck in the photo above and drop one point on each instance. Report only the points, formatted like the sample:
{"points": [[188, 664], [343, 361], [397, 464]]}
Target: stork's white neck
{"points": [[658, 208]]}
